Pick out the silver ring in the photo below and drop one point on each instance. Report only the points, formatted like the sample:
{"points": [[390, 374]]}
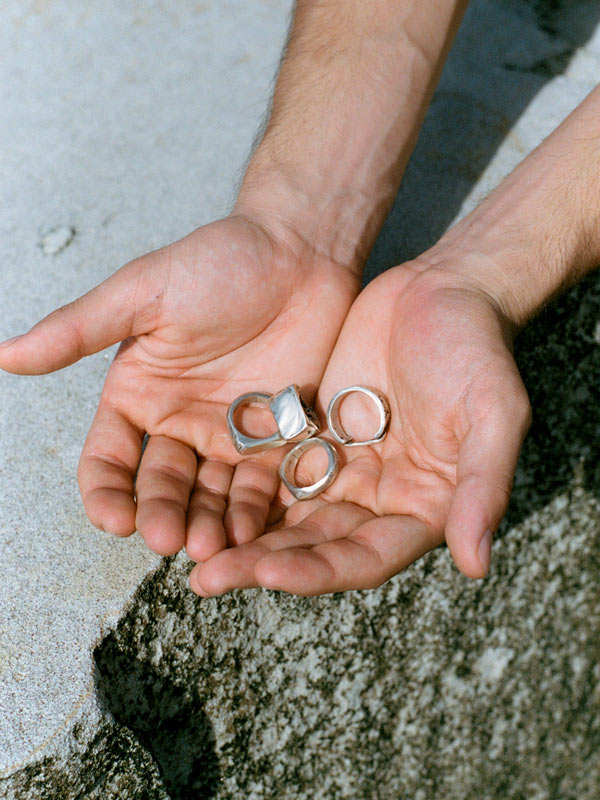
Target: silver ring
{"points": [[248, 444], [335, 425], [295, 419], [287, 470]]}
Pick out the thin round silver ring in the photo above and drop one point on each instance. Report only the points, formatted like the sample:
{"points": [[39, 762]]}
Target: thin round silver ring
{"points": [[247, 444], [287, 470], [333, 415]]}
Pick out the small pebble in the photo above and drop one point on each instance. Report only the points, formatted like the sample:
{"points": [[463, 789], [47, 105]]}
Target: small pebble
{"points": [[56, 239]]}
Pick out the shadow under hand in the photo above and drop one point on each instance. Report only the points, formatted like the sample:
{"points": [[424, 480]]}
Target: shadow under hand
{"points": [[164, 717], [504, 53], [559, 358]]}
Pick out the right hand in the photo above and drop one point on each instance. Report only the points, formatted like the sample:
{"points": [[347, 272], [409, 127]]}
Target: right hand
{"points": [[228, 309]]}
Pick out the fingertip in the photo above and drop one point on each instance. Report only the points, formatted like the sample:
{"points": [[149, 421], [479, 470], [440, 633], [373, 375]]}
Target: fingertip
{"points": [[9, 356], [476, 511], [464, 547], [111, 511], [201, 548], [196, 586], [120, 534], [470, 551], [8, 342], [38, 352], [204, 583], [163, 543]]}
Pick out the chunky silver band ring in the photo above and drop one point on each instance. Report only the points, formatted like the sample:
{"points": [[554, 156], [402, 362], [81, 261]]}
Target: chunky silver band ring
{"points": [[287, 470], [294, 418], [247, 444], [333, 415]]}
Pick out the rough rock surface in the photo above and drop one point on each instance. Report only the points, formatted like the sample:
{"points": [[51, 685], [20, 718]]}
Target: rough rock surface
{"points": [[430, 687]]}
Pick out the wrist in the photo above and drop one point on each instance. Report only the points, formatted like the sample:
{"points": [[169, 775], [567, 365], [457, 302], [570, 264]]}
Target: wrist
{"points": [[536, 234], [351, 93], [337, 221]]}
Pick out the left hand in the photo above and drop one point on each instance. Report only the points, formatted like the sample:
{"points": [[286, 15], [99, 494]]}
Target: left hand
{"points": [[231, 308], [439, 347]]}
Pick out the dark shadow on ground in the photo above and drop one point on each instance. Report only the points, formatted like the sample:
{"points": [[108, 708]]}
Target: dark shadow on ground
{"points": [[505, 51], [164, 718], [559, 357]]}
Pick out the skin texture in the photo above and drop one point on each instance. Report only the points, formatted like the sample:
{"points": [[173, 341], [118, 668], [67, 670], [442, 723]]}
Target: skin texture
{"points": [[226, 310], [257, 301], [436, 336], [459, 412]]}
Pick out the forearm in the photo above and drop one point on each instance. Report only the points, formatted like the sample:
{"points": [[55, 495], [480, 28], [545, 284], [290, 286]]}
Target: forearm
{"points": [[350, 97], [539, 230]]}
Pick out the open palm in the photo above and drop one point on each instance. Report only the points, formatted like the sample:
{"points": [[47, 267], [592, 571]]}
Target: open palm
{"points": [[226, 310], [440, 351]]}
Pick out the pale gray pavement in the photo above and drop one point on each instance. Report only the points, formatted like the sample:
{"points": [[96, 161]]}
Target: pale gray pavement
{"points": [[125, 125], [127, 122]]}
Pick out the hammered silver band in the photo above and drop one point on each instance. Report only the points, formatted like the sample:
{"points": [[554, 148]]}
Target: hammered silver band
{"points": [[287, 470], [333, 416]]}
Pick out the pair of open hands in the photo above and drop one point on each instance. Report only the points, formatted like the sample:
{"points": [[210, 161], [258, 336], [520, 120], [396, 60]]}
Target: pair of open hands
{"points": [[231, 308]]}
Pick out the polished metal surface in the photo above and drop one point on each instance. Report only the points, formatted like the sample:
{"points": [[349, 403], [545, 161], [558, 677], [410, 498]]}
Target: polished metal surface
{"points": [[295, 419], [287, 470], [336, 427], [247, 444]]}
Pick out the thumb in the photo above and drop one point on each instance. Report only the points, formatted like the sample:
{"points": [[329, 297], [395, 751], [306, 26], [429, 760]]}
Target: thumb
{"points": [[486, 465], [105, 315]]}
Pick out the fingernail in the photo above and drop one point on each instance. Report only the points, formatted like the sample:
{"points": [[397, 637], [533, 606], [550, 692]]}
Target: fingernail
{"points": [[484, 551], [7, 342], [106, 530]]}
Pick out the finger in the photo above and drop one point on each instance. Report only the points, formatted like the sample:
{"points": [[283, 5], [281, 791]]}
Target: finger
{"points": [[252, 491], [106, 471], [373, 553], [105, 315], [234, 568], [486, 466], [163, 485], [205, 534]]}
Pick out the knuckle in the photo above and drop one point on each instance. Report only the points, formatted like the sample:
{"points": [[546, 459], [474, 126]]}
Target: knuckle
{"points": [[165, 474], [208, 499], [247, 507], [165, 500], [250, 496]]}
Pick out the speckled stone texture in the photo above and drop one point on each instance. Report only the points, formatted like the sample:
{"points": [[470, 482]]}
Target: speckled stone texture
{"points": [[433, 687]]}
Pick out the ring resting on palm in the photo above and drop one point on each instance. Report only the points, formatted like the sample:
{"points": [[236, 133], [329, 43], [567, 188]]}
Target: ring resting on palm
{"points": [[294, 418], [337, 429], [287, 470]]}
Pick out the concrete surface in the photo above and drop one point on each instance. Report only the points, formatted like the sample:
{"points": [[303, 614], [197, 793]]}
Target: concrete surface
{"points": [[124, 126]]}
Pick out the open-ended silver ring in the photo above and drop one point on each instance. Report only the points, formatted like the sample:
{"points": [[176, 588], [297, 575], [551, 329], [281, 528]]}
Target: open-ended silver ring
{"points": [[287, 470], [294, 418], [336, 427]]}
